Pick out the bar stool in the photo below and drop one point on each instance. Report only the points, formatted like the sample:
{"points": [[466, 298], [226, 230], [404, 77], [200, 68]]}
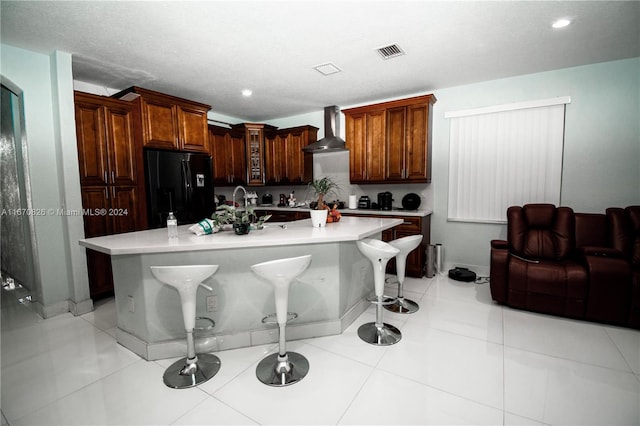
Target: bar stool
{"points": [[406, 245], [378, 253], [282, 368], [194, 368]]}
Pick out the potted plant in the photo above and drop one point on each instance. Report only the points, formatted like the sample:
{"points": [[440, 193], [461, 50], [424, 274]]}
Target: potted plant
{"points": [[321, 187], [240, 220]]}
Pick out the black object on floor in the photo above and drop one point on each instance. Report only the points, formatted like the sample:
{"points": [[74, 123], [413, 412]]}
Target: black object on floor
{"points": [[462, 274]]}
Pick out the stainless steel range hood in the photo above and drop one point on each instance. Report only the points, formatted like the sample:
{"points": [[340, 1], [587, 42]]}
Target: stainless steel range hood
{"points": [[331, 141]]}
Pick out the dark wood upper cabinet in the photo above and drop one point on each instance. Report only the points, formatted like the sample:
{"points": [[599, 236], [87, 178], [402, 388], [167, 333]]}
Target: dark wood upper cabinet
{"points": [[390, 142], [227, 147], [299, 164], [106, 147], [254, 135], [193, 128], [279, 158], [286, 163], [275, 152], [169, 122]]}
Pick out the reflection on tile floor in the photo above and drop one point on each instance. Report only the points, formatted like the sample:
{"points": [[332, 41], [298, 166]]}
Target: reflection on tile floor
{"points": [[462, 360]]}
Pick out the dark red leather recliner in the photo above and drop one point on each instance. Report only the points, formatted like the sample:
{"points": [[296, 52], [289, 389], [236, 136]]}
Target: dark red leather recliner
{"points": [[535, 269], [578, 265]]}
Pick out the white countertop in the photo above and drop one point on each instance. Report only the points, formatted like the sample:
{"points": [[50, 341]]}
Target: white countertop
{"points": [[345, 211], [298, 232]]}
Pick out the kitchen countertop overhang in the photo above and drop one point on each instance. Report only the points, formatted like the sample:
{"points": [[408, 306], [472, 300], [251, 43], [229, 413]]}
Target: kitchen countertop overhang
{"points": [[292, 233]]}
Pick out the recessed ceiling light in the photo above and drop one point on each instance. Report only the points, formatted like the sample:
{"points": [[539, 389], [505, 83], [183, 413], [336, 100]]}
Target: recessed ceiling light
{"points": [[247, 93], [561, 23]]}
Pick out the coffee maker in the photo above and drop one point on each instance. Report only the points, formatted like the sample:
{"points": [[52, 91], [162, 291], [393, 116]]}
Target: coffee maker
{"points": [[385, 200]]}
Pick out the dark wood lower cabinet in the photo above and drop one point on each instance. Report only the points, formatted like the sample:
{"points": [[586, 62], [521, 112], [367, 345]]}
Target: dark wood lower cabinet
{"points": [[283, 216], [100, 275]]}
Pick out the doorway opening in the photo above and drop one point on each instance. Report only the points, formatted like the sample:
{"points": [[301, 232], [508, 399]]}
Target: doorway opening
{"points": [[17, 251]]}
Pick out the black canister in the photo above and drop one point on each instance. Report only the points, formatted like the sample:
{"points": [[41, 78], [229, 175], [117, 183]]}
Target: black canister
{"points": [[385, 200], [411, 201]]}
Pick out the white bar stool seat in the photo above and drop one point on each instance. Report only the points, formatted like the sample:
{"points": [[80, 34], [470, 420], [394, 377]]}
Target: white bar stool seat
{"points": [[193, 369], [282, 368], [406, 245], [378, 333]]}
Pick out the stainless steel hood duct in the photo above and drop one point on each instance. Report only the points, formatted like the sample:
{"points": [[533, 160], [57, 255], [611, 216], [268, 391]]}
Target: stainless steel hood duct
{"points": [[331, 141]]}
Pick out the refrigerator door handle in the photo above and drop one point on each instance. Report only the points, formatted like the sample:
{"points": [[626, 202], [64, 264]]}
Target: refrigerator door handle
{"points": [[186, 180]]}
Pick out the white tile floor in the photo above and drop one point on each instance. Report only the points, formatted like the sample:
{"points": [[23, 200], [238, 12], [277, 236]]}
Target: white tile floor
{"points": [[462, 360]]}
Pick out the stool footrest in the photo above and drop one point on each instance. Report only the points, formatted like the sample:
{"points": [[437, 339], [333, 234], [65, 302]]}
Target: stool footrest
{"points": [[207, 324], [273, 318], [402, 306], [384, 302]]}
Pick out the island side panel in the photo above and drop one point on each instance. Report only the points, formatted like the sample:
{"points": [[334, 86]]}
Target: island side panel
{"points": [[356, 270], [333, 283]]}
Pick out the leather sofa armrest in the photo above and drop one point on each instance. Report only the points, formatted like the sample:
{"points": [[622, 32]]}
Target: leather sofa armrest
{"points": [[601, 252], [498, 271], [499, 244]]}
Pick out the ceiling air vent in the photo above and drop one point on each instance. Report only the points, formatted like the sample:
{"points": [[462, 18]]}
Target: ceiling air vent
{"points": [[327, 69], [391, 51]]}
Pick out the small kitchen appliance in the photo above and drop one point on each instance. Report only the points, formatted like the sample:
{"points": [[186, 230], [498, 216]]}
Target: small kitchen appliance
{"points": [[385, 200], [411, 201], [267, 199], [364, 202]]}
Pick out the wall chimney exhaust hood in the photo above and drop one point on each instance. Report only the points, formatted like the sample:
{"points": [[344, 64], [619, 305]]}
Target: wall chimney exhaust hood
{"points": [[331, 141]]}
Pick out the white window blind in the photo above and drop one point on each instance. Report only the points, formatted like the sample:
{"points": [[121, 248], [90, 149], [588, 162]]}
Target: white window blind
{"points": [[505, 155]]}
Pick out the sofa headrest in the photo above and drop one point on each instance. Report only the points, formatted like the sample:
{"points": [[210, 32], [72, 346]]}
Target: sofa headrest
{"points": [[541, 231], [591, 230], [539, 215]]}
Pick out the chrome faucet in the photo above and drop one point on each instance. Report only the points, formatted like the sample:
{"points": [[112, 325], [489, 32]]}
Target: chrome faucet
{"points": [[234, 196]]}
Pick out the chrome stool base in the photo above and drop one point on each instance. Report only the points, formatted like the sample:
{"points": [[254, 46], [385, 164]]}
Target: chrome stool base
{"points": [[401, 306], [273, 372], [384, 335], [181, 374]]}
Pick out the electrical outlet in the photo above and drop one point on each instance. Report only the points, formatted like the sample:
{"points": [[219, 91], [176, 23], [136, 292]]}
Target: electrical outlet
{"points": [[212, 303], [130, 304]]}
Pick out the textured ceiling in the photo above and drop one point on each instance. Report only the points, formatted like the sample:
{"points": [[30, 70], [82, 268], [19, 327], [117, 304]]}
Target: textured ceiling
{"points": [[209, 51]]}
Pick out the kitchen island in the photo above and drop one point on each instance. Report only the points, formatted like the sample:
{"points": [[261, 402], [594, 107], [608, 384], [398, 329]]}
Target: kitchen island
{"points": [[328, 297]]}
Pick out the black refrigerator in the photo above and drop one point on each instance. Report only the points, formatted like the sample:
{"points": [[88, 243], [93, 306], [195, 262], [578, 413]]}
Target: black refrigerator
{"points": [[181, 182]]}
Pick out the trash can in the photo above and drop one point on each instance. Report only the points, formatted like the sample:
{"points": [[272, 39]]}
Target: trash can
{"points": [[429, 267], [439, 259]]}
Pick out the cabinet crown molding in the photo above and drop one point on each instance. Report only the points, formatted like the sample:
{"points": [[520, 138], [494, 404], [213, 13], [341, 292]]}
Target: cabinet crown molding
{"points": [[153, 94], [431, 99]]}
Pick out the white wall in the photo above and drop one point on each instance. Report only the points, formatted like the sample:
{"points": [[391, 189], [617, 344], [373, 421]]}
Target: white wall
{"points": [[601, 166], [50, 130]]}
